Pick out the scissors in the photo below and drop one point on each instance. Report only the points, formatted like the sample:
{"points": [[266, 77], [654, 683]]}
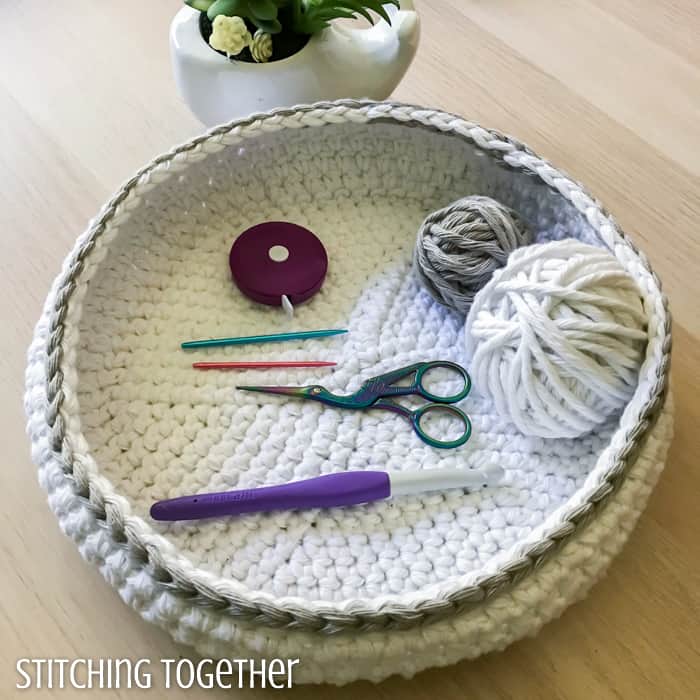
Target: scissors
{"points": [[377, 392]]}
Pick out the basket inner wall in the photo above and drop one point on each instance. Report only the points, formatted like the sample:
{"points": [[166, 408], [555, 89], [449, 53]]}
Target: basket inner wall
{"points": [[157, 429]]}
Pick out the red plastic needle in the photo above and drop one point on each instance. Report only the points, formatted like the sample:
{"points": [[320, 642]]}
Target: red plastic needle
{"points": [[259, 365]]}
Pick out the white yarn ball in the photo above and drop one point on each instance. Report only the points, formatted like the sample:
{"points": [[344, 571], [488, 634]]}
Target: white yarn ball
{"points": [[557, 337]]}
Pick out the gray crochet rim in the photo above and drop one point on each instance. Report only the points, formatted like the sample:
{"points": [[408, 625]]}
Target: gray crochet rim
{"points": [[393, 615]]}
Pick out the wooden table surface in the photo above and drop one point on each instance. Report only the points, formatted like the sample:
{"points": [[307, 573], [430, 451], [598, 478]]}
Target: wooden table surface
{"points": [[609, 91]]}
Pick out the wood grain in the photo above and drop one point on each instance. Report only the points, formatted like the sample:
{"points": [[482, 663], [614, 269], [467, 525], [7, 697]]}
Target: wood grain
{"points": [[610, 92]]}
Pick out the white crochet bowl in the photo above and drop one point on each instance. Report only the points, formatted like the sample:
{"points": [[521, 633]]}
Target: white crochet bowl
{"points": [[117, 417]]}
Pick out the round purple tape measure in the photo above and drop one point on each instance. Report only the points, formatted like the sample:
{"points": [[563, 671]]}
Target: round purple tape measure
{"points": [[276, 259]]}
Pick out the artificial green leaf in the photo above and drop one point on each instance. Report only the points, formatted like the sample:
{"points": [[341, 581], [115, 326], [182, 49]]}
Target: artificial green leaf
{"points": [[356, 6], [262, 9], [342, 14], [201, 5], [271, 26], [229, 8], [378, 7], [311, 16]]}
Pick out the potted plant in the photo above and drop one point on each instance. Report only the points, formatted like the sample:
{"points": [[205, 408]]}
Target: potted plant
{"points": [[235, 57]]}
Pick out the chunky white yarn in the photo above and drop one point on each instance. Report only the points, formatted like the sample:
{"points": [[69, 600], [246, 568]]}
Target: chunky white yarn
{"points": [[460, 246], [557, 338]]}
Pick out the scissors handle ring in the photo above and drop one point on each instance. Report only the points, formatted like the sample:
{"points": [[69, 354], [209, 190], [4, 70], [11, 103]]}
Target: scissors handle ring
{"points": [[427, 366], [453, 410]]}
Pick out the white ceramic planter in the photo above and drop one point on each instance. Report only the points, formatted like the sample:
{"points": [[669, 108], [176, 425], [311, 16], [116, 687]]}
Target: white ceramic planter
{"points": [[338, 62]]}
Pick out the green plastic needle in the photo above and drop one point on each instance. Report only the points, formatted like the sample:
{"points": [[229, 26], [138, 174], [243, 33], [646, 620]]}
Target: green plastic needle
{"points": [[273, 338]]}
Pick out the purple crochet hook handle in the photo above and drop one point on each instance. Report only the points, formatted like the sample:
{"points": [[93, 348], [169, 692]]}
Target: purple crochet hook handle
{"points": [[343, 489]]}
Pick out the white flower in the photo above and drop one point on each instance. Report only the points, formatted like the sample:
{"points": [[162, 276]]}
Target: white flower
{"points": [[229, 34], [261, 46]]}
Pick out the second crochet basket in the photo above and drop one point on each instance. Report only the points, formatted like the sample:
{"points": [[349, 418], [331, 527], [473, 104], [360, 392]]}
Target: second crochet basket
{"points": [[118, 419]]}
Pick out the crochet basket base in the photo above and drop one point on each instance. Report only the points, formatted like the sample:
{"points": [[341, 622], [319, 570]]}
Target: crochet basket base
{"points": [[118, 418]]}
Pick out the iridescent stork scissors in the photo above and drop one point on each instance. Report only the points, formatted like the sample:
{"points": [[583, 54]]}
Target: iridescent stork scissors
{"points": [[378, 392]]}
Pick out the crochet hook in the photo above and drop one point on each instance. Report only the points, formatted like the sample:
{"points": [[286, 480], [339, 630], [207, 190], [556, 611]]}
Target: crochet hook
{"points": [[273, 337], [330, 490], [260, 365]]}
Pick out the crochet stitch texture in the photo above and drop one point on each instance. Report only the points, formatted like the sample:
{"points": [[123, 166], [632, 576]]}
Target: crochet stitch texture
{"points": [[117, 418]]}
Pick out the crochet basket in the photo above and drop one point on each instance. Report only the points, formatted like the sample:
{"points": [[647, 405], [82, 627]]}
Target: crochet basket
{"points": [[118, 419]]}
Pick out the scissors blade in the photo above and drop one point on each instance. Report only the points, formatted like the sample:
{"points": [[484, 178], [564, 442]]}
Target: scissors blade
{"points": [[313, 393], [297, 391]]}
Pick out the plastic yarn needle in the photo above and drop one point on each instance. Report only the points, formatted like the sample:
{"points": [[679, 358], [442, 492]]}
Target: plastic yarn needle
{"points": [[261, 365], [270, 338]]}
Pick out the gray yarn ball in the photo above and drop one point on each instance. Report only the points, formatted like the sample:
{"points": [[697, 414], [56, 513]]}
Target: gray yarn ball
{"points": [[460, 246]]}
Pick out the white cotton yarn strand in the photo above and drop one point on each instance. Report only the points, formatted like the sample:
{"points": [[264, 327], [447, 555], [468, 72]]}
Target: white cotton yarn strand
{"points": [[557, 337], [459, 247]]}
